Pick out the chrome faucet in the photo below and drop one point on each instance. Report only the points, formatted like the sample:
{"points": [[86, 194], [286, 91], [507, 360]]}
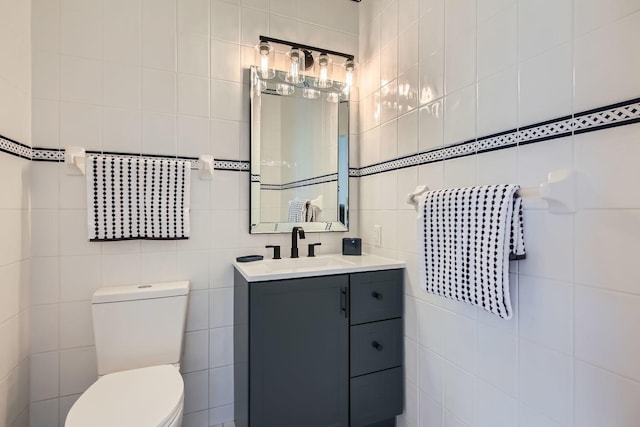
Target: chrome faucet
{"points": [[294, 240]]}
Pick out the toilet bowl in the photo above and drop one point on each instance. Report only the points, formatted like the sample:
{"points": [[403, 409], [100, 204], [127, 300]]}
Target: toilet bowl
{"points": [[138, 332], [145, 397]]}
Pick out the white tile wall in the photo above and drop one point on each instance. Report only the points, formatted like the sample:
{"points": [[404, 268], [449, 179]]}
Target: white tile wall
{"points": [[15, 262], [150, 77], [158, 77], [569, 356]]}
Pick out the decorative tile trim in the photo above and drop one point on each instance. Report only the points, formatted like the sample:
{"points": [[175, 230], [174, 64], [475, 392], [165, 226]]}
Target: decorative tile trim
{"points": [[57, 155], [602, 118], [15, 148], [274, 187], [301, 183], [231, 165], [620, 114], [47, 155]]}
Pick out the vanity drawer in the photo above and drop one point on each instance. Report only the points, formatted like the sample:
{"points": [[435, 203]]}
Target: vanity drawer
{"points": [[376, 346], [376, 397], [376, 296]]}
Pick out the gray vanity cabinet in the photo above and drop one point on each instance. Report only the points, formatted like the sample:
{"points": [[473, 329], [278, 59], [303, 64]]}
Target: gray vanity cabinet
{"points": [[376, 351], [303, 358]]}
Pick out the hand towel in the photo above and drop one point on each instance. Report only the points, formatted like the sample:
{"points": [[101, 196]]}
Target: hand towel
{"points": [[466, 236], [313, 213], [137, 198], [297, 210]]}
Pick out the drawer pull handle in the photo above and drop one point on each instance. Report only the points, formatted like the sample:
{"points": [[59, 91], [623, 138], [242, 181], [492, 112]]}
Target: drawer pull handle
{"points": [[377, 345], [377, 295], [344, 302]]}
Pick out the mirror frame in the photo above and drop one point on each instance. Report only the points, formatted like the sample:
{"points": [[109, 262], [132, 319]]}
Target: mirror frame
{"points": [[257, 227]]}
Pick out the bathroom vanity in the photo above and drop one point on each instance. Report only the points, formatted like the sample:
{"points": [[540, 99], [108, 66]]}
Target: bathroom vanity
{"points": [[318, 342]]}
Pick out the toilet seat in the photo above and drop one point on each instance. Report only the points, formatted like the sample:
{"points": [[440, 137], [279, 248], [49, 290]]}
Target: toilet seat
{"points": [[145, 397]]}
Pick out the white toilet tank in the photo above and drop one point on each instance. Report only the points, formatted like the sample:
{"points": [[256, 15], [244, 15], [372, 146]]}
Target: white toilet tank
{"points": [[139, 326]]}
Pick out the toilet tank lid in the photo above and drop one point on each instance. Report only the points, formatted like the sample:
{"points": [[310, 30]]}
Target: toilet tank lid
{"points": [[140, 292]]}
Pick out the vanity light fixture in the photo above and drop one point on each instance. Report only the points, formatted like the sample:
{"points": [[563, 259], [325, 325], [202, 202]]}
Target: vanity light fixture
{"points": [[300, 58]]}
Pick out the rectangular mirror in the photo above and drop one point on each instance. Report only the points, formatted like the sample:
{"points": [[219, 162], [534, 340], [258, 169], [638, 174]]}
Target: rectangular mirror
{"points": [[299, 156]]}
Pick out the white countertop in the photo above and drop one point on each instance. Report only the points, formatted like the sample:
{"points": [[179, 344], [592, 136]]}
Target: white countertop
{"points": [[322, 265]]}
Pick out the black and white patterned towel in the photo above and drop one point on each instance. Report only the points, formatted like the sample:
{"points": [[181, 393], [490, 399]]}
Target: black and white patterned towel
{"points": [[297, 210], [137, 198], [466, 238]]}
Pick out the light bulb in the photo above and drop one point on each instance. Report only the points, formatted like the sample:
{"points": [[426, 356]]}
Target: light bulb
{"points": [[324, 71], [323, 61], [296, 57], [349, 66], [265, 51], [264, 64]]}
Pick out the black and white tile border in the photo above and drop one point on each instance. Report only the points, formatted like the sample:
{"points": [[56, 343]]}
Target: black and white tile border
{"points": [[301, 183], [57, 155], [47, 155], [15, 148], [232, 165], [620, 114]]}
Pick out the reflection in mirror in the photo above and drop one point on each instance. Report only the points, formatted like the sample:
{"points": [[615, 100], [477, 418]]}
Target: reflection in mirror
{"points": [[299, 156]]}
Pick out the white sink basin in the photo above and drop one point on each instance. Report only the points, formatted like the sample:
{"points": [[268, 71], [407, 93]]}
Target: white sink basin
{"points": [[288, 268], [298, 264]]}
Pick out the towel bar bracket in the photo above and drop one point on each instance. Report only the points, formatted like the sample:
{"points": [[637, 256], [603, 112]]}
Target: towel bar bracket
{"points": [[76, 160]]}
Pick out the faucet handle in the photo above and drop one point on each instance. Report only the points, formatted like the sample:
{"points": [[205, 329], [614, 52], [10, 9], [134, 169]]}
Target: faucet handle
{"points": [[312, 247], [276, 251]]}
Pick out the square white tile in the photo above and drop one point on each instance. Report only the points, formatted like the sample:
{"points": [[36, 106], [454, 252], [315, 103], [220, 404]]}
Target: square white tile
{"points": [[460, 394], [121, 32], [594, 54], [497, 42], [554, 16], [604, 246], [605, 335], [158, 35], [498, 358], [604, 398], [196, 352], [460, 45], [546, 381], [78, 370], [460, 115], [546, 312]]}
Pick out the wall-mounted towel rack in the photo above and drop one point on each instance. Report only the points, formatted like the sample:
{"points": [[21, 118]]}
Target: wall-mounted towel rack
{"points": [[558, 191], [76, 160]]}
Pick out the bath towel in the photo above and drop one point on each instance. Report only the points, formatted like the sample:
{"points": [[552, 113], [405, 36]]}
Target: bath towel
{"points": [[137, 198], [466, 238]]}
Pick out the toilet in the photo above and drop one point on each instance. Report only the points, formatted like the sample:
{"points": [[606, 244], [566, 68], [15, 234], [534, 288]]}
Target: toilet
{"points": [[139, 332]]}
